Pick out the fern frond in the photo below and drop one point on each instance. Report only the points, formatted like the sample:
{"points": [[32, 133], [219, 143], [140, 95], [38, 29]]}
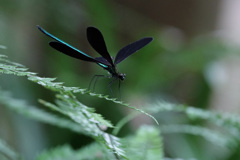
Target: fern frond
{"points": [[146, 144], [179, 159], [21, 107], [9, 67], [6, 152], [208, 134], [228, 120], [65, 152], [80, 124], [3, 47], [113, 143], [88, 122]]}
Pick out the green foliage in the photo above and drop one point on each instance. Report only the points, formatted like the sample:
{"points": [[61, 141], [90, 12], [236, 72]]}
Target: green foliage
{"points": [[208, 134], [220, 129], [229, 123], [147, 143], [90, 152], [66, 93], [66, 104], [6, 152], [2, 47]]}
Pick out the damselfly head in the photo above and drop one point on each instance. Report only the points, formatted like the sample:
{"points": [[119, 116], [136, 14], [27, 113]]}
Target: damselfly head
{"points": [[122, 76]]}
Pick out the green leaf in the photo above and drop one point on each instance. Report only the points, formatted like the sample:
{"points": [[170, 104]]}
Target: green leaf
{"points": [[65, 152], [6, 152], [83, 118], [146, 144], [229, 122], [20, 70], [3, 47], [208, 134], [21, 107]]}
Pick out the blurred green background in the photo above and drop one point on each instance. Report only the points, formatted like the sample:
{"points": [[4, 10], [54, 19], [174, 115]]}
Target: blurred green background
{"points": [[178, 66]]}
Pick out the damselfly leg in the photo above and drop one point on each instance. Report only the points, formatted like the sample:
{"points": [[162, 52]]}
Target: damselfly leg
{"points": [[94, 80]]}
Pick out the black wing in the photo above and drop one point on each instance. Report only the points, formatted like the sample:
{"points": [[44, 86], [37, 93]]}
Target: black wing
{"points": [[102, 60], [75, 53], [70, 50], [131, 48], [95, 38]]}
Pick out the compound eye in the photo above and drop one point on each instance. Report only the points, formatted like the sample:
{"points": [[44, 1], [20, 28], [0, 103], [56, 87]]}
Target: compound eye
{"points": [[122, 76]]}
